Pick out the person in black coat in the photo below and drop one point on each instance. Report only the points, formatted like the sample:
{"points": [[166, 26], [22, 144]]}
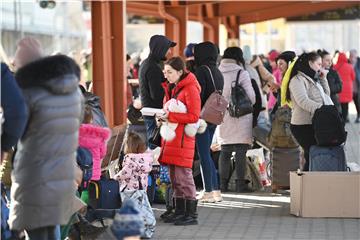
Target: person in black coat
{"points": [[334, 80], [206, 55], [151, 77], [14, 110]]}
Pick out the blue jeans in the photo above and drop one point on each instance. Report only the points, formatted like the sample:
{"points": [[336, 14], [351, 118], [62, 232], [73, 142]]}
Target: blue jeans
{"points": [[203, 143], [150, 124]]}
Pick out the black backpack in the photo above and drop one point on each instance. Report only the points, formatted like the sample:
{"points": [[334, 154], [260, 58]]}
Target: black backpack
{"points": [[240, 103], [328, 126]]}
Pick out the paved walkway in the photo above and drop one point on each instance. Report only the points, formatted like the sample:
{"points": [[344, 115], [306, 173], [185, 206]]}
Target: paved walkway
{"points": [[265, 215]]}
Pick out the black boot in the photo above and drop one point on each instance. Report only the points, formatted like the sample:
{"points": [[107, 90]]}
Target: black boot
{"points": [[242, 187], [169, 211], [191, 215], [179, 211]]}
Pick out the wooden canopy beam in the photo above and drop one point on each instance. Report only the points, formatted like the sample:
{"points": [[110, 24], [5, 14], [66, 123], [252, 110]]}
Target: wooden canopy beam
{"points": [[292, 10]]}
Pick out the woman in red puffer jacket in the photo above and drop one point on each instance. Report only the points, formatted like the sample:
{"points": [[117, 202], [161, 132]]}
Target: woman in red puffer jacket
{"points": [[347, 75], [178, 153]]}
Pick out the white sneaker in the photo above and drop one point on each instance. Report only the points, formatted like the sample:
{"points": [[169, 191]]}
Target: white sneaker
{"points": [[217, 196], [207, 197]]}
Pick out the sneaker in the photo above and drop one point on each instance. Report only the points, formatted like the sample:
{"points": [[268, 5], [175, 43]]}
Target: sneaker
{"points": [[207, 197], [217, 195]]}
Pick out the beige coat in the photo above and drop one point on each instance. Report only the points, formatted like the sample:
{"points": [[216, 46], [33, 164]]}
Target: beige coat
{"points": [[235, 130], [306, 98]]}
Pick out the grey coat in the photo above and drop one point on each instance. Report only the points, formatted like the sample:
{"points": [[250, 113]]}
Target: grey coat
{"points": [[43, 178]]}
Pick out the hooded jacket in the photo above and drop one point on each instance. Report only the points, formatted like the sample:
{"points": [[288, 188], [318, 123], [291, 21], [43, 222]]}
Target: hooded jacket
{"points": [[347, 75], [150, 72], [180, 151], [98, 115], [135, 170], [43, 177], [94, 138], [206, 53], [14, 107]]}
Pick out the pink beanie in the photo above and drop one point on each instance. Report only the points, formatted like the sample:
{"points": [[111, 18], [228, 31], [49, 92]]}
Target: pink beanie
{"points": [[28, 50]]}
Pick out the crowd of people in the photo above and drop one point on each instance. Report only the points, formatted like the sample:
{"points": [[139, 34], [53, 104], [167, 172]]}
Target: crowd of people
{"points": [[47, 117]]}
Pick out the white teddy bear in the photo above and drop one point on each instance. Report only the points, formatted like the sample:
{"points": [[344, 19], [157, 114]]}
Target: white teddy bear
{"points": [[167, 129]]}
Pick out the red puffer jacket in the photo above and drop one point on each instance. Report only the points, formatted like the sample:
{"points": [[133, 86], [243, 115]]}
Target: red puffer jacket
{"points": [[347, 75], [180, 151]]}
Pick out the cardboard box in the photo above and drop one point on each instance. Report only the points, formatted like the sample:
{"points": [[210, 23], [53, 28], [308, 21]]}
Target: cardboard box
{"points": [[325, 194]]}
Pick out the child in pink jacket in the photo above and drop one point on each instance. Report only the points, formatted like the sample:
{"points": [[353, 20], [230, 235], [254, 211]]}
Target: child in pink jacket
{"points": [[94, 138], [136, 166]]}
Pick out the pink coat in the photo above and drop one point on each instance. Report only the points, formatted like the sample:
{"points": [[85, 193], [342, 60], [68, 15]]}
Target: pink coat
{"points": [[94, 138], [272, 99], [135, 167]]}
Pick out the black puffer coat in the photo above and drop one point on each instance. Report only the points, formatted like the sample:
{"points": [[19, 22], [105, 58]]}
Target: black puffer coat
{"points": [[335, 85]]}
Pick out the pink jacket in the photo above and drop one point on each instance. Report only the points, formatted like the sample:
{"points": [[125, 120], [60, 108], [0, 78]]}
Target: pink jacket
{"points": [[135, 167], [272, 99], [94, 138]]}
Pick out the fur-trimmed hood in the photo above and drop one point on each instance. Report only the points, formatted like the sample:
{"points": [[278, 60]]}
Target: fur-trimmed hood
{"points": [[59, 74], [92, 135]]}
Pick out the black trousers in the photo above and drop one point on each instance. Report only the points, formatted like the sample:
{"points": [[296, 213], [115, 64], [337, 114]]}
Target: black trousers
{"points": [[345, 110], [225, 162], [356, 99], [305, 136]]}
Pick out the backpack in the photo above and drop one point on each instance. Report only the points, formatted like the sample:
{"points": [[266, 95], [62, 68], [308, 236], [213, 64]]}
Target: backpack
{"points": [[85, 162], [257, 107], [215, 106], [240, 103], [328, 126], [280, 134]]}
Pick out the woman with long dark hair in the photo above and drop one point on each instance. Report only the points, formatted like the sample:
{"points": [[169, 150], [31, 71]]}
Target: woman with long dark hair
{"points": [[178, 153], [307, 84]]}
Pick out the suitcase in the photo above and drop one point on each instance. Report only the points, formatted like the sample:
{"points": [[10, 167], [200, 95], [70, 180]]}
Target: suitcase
{"points": [[283, 161], [327, 159]]}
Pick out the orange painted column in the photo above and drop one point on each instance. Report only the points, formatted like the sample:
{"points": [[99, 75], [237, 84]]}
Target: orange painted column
{"points": [[176, 30], [109, 70], [211, 29]]}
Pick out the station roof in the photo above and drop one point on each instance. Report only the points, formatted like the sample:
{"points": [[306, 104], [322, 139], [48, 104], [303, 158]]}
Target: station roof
{"points": [[247, 11]]}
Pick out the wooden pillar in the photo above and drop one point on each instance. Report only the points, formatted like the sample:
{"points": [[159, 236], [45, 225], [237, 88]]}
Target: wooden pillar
{"points": [[232, 26], [211, 29], [176, 30], [109, 62]]}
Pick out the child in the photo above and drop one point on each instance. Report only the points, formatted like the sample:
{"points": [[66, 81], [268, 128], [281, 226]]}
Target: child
{"points": [[93, 138], [133, 178]]}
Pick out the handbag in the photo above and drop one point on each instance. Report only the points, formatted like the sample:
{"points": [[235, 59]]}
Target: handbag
{"points": [[155, 137], [240, 103], [215, 106]]}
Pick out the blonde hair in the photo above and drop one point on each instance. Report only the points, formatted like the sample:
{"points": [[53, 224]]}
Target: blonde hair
{"points": [[134, 144]]}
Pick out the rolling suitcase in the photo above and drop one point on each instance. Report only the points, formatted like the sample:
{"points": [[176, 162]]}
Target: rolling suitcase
{"points": [[327, 158], [283, 161]]}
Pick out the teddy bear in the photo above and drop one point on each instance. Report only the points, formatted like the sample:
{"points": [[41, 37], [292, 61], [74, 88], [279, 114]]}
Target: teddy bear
{"points": [[167, 129]]}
